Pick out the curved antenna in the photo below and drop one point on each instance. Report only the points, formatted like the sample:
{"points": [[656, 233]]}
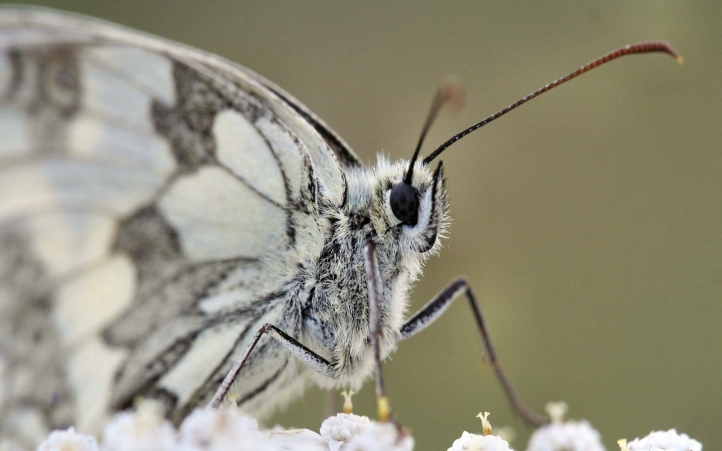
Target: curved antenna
{"points": [[640, 47], [449, 91]]}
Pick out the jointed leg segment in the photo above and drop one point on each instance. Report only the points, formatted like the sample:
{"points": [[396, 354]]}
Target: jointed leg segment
{"points": [[310, 358], [437, 306], [375, 290]]}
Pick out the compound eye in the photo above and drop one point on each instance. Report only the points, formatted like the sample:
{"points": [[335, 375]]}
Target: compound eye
{"points": [[404, 203]]}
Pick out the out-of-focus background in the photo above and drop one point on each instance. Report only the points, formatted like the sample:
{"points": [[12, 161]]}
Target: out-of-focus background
{"points": [[589, 221]]}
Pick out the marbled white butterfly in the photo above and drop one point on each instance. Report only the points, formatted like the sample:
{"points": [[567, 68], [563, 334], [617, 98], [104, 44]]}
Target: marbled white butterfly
{"points": [[163, 210]]}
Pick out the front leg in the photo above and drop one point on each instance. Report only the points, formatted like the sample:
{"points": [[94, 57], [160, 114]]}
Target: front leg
{"points": [[292, 346], [375, 290], [437, 306], [374, 285]]}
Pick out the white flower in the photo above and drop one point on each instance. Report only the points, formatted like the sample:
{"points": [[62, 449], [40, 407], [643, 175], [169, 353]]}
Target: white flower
{"points": [[68, 440], [144, 430], [665, 441], [567, 436], [485, 442], [220, 430], [296, 440], [349, 432], [339, 429], [380, 437], [473, 442]]}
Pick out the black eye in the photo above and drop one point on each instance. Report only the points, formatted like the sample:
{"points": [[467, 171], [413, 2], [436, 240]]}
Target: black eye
{"points": [[404, 203]]}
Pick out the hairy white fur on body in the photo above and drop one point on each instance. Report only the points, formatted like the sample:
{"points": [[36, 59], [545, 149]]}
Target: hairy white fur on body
{"points": [[336, 323]]}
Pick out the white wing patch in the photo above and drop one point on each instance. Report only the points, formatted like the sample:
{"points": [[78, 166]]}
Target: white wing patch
{"points": [[287, 151], [229, 295], [5, 73], [239, 221], [86, 184], [87, 304], [15, 132], [93, 138], [21, 189], [150, 71], [65, 242], [326, 166], [209, 348], [115, 90], [227, 300], [245, 152], [91, 371], [29, 424]]}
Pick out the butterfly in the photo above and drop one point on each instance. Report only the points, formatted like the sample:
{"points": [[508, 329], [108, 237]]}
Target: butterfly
{"points": [[164, 211]]}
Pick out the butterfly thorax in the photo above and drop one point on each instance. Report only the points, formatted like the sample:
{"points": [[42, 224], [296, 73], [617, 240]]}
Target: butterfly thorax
{"points": [[336, 323]]}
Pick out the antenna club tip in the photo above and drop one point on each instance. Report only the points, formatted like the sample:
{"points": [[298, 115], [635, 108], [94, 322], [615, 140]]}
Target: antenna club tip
{"points": [[667, 47], [654, 46], [452, 92], [674, 53]]}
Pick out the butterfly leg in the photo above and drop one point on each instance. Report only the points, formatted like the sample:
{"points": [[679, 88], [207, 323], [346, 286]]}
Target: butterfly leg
{"points": [[291, 345], [375, 287], [437, 306]]}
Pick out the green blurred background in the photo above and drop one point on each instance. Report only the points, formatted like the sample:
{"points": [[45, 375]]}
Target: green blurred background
{"points": [[589, 221]]}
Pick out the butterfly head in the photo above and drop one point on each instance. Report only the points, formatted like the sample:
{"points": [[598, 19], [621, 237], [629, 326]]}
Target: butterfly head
{"points": [[415, 211]]}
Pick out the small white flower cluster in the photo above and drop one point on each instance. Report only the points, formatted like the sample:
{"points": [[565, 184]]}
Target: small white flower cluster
{"points": [[228, 430], [68, 440], [349, 432], [473, 442], [484, 442], [566, 435], [563, 434], [342, 428], [569, 435], [664, 441]]}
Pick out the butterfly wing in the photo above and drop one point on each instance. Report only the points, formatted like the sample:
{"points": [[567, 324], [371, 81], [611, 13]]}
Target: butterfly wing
{"points": [[157, 206]]}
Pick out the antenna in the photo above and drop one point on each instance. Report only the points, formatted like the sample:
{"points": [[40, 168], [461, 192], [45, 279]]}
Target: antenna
{"points": [[640, 47], [449, 91]]}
